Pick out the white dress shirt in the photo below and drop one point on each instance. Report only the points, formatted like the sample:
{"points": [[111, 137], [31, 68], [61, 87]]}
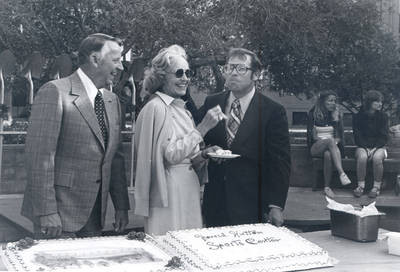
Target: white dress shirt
{"points": [[243, 101], [90, 88]]}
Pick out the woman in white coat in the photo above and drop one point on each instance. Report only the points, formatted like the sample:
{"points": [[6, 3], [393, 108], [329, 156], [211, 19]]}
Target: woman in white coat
{"points": [[171, 165]]}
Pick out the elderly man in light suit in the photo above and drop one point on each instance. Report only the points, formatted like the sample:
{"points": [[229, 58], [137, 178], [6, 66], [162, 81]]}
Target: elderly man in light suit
{"points": [[73, 148]]}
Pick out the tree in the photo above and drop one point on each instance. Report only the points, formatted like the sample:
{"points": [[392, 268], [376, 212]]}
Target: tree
{"points": [[55, 27], [311, 45], [306, 45]]}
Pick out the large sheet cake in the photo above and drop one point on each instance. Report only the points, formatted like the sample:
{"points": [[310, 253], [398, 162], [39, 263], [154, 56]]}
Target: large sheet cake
{"points": [[253, 247]]}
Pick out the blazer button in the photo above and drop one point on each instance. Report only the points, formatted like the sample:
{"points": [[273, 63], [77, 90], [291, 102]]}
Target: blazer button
{"points": [[190, 168], [98, 181]]}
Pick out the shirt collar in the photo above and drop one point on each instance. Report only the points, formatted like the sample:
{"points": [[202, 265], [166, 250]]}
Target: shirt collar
{"points": [[90, 88], [244, 101], [169, 99]]}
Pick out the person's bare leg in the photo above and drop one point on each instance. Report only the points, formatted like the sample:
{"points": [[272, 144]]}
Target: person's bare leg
{"points": [[377, 164], [361, 158]]}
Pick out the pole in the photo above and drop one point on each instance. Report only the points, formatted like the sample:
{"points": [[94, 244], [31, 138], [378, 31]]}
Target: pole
{"points": [[1, 119], [133, 115], [29, 77]]}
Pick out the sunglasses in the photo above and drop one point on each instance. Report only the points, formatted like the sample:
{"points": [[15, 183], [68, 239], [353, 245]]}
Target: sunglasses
{"points": [[179, 73]]}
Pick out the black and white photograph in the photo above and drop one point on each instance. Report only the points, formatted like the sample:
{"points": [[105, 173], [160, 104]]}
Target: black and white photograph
{"points": [[200, 135]]}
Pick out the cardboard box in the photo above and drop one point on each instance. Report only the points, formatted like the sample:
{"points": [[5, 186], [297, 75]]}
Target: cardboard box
{"points": [[350, 226], [393, 243]]}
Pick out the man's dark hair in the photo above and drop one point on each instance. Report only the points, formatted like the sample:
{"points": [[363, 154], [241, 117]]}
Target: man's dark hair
{"points": [[255, 63], [94, 43]]}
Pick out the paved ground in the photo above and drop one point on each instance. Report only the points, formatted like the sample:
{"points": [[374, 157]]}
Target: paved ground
{"points": [[11, 206], [305, 209]]}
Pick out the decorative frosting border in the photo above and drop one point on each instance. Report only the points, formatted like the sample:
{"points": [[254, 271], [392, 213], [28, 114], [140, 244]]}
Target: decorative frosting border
{"points": [[201, 263], [12, 259]]}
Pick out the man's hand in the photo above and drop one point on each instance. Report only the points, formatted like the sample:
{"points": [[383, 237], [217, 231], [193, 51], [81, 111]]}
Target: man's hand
{"points": [[275, 216], [121, 220], [50, 225]]}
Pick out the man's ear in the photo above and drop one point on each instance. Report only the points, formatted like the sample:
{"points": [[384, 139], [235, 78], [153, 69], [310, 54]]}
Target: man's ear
{"points": [[256, 75], [94, 58]]}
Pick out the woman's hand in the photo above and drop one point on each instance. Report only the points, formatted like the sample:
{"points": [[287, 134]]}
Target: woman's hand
{"points": [[335, 114], [314, 134], [210, 149], [210, 120]]}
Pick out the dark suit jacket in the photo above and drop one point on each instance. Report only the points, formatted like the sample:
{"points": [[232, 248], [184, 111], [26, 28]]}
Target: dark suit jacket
{"points": [[66, 157], [240, 190]]}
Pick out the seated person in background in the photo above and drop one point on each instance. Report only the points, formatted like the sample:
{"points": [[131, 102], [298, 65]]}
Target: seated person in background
{"points": [[170, 164], [325, 137], [371, 132]]}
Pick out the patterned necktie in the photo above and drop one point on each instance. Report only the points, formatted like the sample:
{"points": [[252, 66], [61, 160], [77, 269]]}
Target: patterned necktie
{"points": [[99, 109], [233, 121]]}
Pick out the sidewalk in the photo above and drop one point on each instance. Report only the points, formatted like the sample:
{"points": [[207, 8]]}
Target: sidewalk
{"points": [[305, 210]]}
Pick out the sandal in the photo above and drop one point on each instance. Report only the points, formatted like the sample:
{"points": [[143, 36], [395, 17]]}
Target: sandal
{"points": [[357, 192], [328, 192], [374, 192]]}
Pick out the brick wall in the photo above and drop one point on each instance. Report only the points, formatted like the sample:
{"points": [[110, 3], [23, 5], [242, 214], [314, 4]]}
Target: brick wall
{"points": [[13, 174], [13, 177]]}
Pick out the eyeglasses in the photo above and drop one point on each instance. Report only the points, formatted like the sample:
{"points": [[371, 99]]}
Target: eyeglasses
{"points": [[241, 69], [179, 73]]}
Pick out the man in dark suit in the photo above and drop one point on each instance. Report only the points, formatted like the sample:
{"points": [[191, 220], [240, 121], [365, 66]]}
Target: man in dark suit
{"points": [[74, 150], [252, 188]]}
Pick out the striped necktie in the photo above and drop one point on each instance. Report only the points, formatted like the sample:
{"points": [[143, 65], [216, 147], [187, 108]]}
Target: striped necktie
{"points": [[233, 121], [99, 109]]}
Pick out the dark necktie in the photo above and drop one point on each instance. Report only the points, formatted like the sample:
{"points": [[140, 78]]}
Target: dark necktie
{"points": [[99, 109], [233, 121]]}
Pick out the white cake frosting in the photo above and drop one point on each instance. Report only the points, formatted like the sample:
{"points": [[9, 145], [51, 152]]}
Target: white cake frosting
{"points": [[115, 253], [253, 247]]}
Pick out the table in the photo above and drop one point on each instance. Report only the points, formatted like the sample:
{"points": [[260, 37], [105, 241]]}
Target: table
{"points": [[355, 256], [352, 256]]}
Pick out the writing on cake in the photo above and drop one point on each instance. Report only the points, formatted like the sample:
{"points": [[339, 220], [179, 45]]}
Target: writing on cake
{"points": [[229, 239]]}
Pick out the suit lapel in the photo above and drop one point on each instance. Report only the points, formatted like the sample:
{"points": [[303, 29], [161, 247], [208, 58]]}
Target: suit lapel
{"points": [[221, 127], [85, 107], [249, 123]]}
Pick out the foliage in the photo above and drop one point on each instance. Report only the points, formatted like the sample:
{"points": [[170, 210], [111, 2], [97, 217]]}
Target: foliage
{"points": [[306, 45], [311, 45]]}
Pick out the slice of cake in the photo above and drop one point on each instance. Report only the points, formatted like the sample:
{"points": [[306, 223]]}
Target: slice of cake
{"points": [[223, 152], [115, 253], [254, 247]]}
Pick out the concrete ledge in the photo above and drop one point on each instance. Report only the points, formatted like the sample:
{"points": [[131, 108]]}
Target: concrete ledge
{"points": [[11, 206]]}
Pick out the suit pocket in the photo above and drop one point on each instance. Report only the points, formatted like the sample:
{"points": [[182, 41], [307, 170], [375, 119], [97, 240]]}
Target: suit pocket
{"points": [[64, 179]]}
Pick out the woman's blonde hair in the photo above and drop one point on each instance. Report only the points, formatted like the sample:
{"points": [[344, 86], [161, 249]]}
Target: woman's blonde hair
{"points": [[155, 75]]}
